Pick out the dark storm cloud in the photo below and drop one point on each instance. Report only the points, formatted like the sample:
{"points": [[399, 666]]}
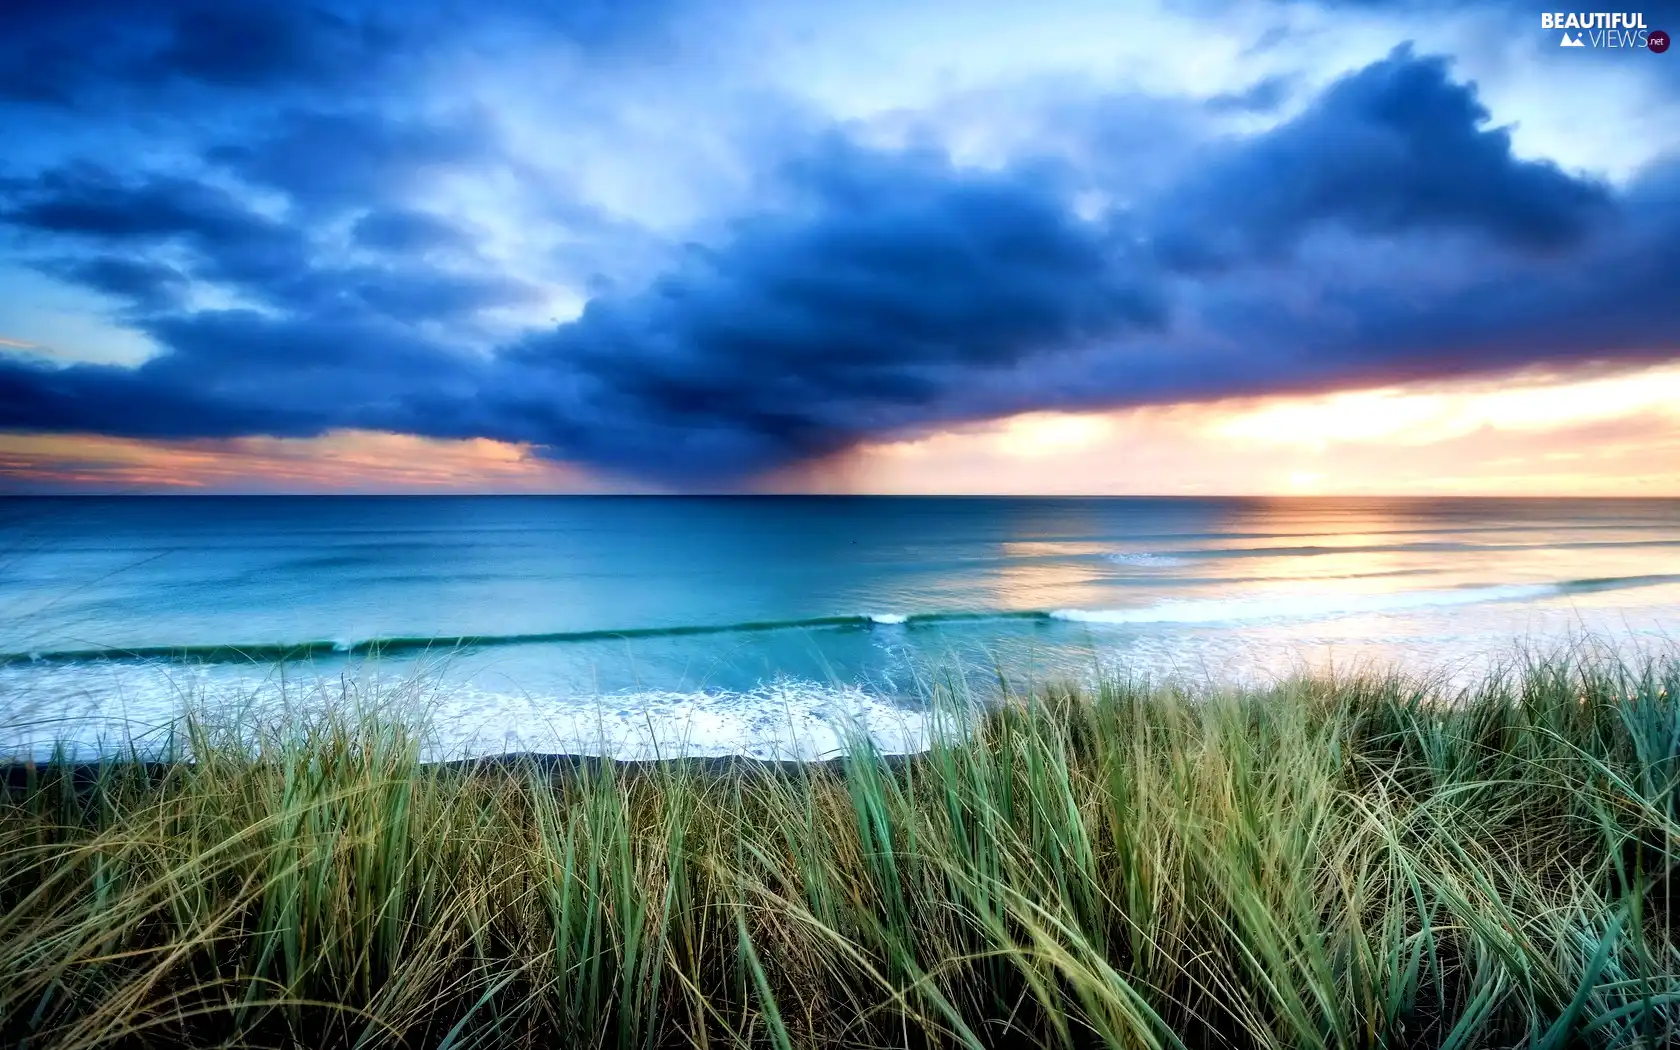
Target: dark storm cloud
{"points": [[149, 285], [806, 332], [920, 294], [1396, 147], [221, 242], [90, 205], [89, 200], [61, 52], [65, 53], [234, 372], [861, 309], [1386, 232]]}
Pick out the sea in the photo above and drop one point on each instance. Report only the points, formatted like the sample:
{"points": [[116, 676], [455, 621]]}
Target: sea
{"points": [[775, 627]]}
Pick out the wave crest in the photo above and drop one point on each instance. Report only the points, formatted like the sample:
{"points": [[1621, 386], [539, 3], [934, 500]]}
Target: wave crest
{"points": [[1210, 610]]}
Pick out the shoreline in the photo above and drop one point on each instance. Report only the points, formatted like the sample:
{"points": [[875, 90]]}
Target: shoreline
{"points": [[1587, 654]]}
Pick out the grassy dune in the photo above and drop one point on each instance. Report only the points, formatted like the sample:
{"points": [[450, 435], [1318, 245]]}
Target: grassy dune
{"points": [[1331, 863]]}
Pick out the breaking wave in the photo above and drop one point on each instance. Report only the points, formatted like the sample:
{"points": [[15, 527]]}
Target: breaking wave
{"points": [[1295, 606]]}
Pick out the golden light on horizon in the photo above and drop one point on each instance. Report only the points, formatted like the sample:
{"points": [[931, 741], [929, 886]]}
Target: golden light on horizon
{"points": [[1598, 435], [351, 461], [1047, 433], [1428, 416], [1590, 435]]}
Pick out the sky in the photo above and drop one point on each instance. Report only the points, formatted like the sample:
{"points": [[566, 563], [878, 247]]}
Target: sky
{"points": [[1193, 247]]}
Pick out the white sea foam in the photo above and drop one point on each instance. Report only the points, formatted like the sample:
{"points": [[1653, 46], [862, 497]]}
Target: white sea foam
{"points": [[1303, 606], [88, 710], [479, 707], [888, 618], [1143, 558], [789, 720]]}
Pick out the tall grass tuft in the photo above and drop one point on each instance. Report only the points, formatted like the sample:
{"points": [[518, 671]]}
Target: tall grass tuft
{"points": [[1331, 862]]}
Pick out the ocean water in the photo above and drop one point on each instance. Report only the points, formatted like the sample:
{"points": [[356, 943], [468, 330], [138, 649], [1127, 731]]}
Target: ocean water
{"points": [[770, 626]]}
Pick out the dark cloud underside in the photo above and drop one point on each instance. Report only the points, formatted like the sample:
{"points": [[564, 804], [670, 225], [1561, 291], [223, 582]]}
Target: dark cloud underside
{"points": [[1387, 231]]}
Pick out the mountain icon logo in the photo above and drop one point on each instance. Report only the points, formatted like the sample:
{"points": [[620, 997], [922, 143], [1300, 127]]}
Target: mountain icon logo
{"points": [[1571, 41]]}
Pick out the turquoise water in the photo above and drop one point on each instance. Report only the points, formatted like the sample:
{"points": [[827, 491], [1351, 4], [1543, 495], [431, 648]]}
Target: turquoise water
{"points": [[772, 624]]}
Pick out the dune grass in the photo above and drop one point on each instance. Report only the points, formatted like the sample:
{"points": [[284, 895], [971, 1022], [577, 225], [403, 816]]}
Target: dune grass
{"points": [[1327, 863]]}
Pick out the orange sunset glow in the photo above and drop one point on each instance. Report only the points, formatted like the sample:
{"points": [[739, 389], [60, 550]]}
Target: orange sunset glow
{"points": [[345, 461], [1611, 435]]}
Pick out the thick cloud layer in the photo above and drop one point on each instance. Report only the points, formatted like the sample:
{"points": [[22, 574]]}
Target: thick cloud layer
{"points": [[1387, 231], [869, 310], [1393, 149], [109, 52]]}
